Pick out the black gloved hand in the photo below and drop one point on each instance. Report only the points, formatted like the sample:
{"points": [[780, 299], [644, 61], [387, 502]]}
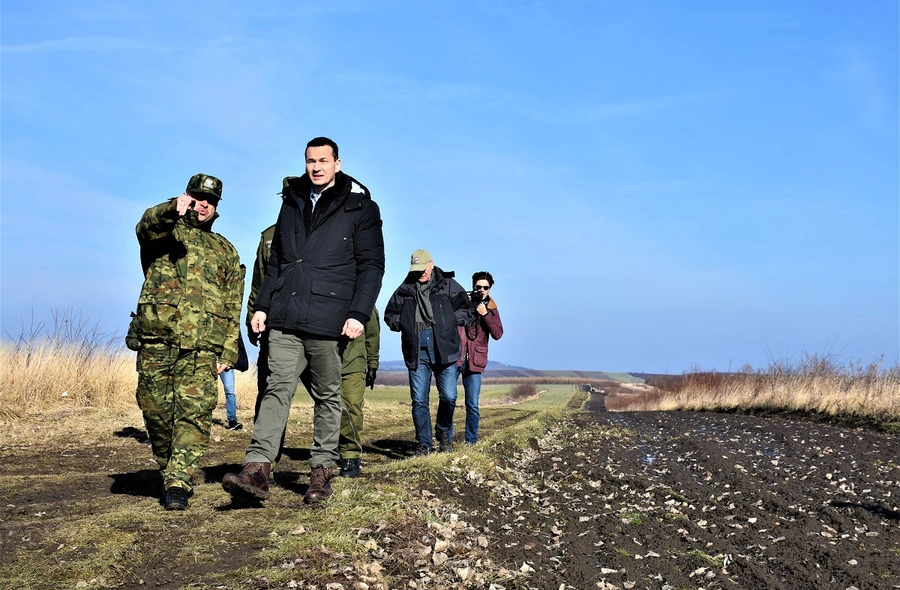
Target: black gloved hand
{"points": [[370, 377]]}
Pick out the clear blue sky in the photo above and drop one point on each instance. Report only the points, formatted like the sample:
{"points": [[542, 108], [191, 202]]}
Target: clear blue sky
{"points": [[655, 186]]}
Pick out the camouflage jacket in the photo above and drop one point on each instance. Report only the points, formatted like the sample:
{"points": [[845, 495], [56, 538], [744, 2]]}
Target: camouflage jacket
{"points": [[360, 353], [193, 285]]}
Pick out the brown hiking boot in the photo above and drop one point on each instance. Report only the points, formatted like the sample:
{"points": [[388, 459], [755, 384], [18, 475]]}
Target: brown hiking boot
{"points": [[253, 480], [319, 485]]}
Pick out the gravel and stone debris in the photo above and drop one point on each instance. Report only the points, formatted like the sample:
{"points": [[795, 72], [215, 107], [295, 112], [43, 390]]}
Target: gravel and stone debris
{"points": [[691, 500]]}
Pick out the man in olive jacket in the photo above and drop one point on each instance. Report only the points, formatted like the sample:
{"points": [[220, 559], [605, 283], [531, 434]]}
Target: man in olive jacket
{"points": [[321, 284], [186, 328], [360, 365], [426, 309]]}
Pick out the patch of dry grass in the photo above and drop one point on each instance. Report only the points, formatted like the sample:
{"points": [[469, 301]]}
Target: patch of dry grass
{"points": [[74, 365], [71, 365], [815, 385], [50, 374]]}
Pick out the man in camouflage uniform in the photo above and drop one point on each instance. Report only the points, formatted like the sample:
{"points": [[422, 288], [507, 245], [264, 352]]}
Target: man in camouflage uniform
{"points": [[186, 328], [360, 365]]}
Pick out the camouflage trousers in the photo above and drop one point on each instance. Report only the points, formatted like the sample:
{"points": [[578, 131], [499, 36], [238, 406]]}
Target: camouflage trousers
{"points": [[353, 388], [177, 392]]}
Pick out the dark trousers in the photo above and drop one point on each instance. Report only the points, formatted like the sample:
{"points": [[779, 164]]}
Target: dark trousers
{"points": [[289, 354]]}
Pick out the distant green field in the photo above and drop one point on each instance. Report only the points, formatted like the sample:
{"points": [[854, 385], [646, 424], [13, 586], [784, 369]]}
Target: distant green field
{"points": [[549, 396]]}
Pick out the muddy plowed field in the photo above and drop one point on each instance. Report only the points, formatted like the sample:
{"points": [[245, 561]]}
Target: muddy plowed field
{"points": [[695, 500]]}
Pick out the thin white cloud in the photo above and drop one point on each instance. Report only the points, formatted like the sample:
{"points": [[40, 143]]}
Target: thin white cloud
{"points": [[643, 106], [385, 87], [860, 77], [77, 44]]}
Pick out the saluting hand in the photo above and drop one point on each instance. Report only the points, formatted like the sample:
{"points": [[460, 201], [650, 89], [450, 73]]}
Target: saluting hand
{"points": [[184, 203]]}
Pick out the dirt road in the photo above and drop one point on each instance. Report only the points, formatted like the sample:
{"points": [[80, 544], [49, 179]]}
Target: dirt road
{"points": [[605, 500], [695, 500]]}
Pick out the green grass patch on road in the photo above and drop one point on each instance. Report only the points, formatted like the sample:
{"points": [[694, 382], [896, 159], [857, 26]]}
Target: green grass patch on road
{"points": [[82, 500]]}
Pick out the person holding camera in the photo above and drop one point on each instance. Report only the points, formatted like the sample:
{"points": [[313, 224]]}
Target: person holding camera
{"points": [[474, 340]]}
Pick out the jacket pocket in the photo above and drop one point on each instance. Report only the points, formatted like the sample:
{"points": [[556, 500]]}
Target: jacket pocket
{"points": [[479, 356], [214, 329], [332, 290], [444, 314], [329, 303], [154, 320]]}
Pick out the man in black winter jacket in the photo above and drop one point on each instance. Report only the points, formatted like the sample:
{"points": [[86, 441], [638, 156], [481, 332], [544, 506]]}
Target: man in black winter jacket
{"points": [[426, 309], [322, 279]]}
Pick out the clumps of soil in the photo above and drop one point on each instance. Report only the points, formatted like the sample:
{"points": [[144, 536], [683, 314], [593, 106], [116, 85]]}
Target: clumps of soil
{"points": [[844, 420], [689, 500]]}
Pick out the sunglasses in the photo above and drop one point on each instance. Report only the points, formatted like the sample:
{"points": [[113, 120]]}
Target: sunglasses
{"points": [[482, 288], [211, 199]]}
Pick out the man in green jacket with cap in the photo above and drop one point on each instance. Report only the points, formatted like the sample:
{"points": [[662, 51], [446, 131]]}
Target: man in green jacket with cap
{"points": [[185, 329]]}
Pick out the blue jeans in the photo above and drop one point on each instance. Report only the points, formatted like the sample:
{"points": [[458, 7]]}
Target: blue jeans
{"points": [[230, 400], [420, 387], [472, 386]]}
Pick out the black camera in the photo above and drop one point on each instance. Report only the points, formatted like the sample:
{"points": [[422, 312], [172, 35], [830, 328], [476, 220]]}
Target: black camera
{"points": [[477, 296]]}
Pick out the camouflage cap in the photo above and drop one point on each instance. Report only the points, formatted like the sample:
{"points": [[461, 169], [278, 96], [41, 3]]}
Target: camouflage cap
{"points": [[419, 260], [204, 183]]}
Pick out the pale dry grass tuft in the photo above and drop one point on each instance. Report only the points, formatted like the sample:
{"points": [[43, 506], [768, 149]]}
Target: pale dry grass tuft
{"points": [[50, 374], [816, 385], [73, 365]]}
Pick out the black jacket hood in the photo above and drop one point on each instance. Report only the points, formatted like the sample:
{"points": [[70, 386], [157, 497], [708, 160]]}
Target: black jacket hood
{"points": [[344, 185]]}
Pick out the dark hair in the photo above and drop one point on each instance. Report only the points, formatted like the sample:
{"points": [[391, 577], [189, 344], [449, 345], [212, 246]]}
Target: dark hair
{"points": [[320, 142], [482, 275]]}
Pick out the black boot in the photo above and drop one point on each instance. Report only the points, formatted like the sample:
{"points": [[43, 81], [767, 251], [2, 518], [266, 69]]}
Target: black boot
{"points": [[445, 444], [350, 467], [176, 498]]}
